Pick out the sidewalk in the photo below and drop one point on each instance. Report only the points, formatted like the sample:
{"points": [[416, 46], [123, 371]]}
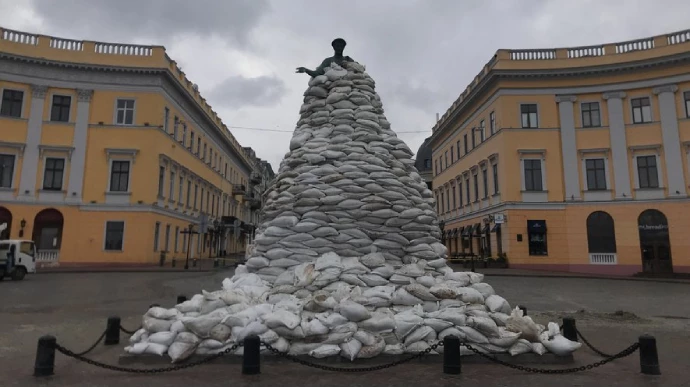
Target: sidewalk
{"points": [[202, 265], [560, 274]]}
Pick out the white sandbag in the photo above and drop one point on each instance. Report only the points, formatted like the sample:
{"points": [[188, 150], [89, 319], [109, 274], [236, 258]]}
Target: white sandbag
{"points": [[393, 349], [254, 328], [437, 324], [209, 306], [291, 334], [185, 344], [373, 280], [331, 319], [485, 325], [286, 278], [364, 337], [451, 332], [427, 281], [473, 336], [485, 289], [469, 295], [281, 318], [257, 262], [210, 344], [460, 277], [300, 348], [378, 323], [538, 348], [505, 339], [410, 270], [475, 278], [521, 346], [385, 292], [281, 345], [523, 325], [373, 260], [351, 265], [202, 325], [500, 318], [402, 297], [353, 311], [156, 349], [431, 306], [136, 337], [400, 279], [370, 351], [313, 327], [350, 349], [269, 337], [416, 347], [385, 271], [472, 312], [325, 350], [437, 263], [555, 342], [442, 292], [162, 338], [421, 292], [220, 332], [162, 313], [352, 279], [153, 325], [405, 323], [454, 315], [305, 274], [328, 260], [497, 304]]}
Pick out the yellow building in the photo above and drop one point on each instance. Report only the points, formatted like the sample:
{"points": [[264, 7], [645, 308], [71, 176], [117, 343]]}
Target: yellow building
{"points": [[572, 159], [108, 152]]}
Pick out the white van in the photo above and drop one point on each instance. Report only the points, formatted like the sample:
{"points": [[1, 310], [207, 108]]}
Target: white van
{"points": [[24, 259]]}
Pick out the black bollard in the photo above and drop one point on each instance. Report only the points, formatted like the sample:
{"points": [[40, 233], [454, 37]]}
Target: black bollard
{"points": [[181, 298], [649, 358], [451, 355], [194, 262], [112, 331], [45, 356], [173, 262], [569, 329], [251, 361], [523, 309]]}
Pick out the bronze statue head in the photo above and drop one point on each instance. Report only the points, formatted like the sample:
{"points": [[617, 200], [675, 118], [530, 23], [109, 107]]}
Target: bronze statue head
{"points": [[338, 45]]}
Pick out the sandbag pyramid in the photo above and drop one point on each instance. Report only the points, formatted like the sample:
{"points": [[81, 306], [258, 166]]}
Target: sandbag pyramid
{"points": [[347, 260]]}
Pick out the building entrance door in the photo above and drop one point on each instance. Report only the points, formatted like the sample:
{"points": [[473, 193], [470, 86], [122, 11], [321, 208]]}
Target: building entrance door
{"points": [[654, 242]]}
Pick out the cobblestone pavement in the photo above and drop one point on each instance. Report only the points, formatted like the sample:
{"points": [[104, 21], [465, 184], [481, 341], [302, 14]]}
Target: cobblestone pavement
{"points": [[74, 308]]}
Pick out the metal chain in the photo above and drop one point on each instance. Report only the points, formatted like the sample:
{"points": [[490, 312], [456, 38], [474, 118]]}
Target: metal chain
{"points": [[626, 352], [93, 346], [129, 332], [352, 369], [600, 353], [207, 359]]}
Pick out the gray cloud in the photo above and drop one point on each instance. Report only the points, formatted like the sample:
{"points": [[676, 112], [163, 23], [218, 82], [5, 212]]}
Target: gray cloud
{"points": [[237, 92], [159, 20]]}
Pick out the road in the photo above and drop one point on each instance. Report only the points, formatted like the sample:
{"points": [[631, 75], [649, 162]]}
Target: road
{"points": [[74, 308]]}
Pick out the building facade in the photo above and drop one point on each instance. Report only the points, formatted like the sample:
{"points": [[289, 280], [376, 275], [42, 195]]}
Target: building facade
{"points": [[109, 153], [572, 159]]}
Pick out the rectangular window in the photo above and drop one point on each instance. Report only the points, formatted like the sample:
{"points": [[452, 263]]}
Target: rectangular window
{"points": [[591, 116], [213, 204], [482, 131], [437, 169], [196, 191], [191, 140], [114, 235], [189, 193], [52, 177], [184, 135], [125, 112], [446, 158], [448, 200], [460, 194], [536, 237], [179, 195], [528, 114], [167, 238], [452, 155], [474, 138], [596, 174], [465, 142], [176, 124], [533, 175], [485, 181], [177, 238], [161, 180], [476, 186], [208, 195], [647, 172], [172, 186], [201, 204], [6, 170], [166, 118], [455, 204], [492, 123], [641, 110], [59, 112], [156, 236], [119, 176], [442, 203], [495, 172], [438, 204], [205, 149], [198, 146], [457, 148], [686, 97], [467, 190], [225, 171], [11, 105]]}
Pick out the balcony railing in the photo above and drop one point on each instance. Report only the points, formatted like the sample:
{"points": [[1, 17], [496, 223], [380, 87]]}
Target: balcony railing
{"points": [[255, 177], [238, 189], [66, 44], [123, 49], [678, 37], [20, 37], [47, 255], [584, 52], [603, 258], [635, 45], [532, 54]]}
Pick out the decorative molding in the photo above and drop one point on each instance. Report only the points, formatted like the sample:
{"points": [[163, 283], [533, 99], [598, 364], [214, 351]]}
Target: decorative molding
{"points": [[565, 98], [84, 95], [614, 95], [56, 148], [595, 150], [493, 157], [483, 163], [531, 151], [19, 146], [654, 147], [39, 91], [130, 152], [665, 89]]}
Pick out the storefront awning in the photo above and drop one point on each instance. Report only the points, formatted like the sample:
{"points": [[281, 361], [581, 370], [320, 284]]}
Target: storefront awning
{"points": [[536, 226], [496, 227]]}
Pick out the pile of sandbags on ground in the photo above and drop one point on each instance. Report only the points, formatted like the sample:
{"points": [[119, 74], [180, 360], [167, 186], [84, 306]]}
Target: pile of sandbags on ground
{"points": [[350, 320], [348, 185]]}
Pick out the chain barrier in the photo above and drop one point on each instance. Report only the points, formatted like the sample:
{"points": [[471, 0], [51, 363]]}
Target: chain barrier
{"points": [[353, 369], [205, 360], [624, 353], [93, 346], [600, 353], [128, 331]]}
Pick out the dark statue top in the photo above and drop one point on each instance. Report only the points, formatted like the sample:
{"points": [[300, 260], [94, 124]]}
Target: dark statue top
{"points": [[338, 46]]}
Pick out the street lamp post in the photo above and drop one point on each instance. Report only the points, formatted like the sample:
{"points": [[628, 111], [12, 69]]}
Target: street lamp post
{"points": [[189, 231]]}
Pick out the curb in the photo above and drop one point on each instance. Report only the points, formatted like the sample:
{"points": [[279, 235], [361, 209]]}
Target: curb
{"points": [[92, 271], [661, 280]]}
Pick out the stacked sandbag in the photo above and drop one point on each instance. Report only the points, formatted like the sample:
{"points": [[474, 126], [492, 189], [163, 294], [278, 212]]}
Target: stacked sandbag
{"points": [[348, 185], [347, 261]]}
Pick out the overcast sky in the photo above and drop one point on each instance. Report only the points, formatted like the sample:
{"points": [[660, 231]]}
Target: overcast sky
{"points": [[422, 53]]}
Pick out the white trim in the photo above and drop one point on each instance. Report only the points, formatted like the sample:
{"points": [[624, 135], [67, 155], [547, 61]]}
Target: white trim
{"points": [[533, 196], [648, 193], [596, 195], [134, 111], [105, 233], [581, 121], [630, 98], [44, 159], [520, 115]]}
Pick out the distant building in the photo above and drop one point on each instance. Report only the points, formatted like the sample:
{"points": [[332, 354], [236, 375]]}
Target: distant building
{"points": [[423, 163], [108, 152], [572, 159]]}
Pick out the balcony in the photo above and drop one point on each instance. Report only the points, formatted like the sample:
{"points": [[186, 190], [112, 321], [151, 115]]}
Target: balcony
{"points": [[255, 178], [239, 189]]}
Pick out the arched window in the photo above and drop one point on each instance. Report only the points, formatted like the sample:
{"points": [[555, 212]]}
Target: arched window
{"points": [[601, 234]]}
